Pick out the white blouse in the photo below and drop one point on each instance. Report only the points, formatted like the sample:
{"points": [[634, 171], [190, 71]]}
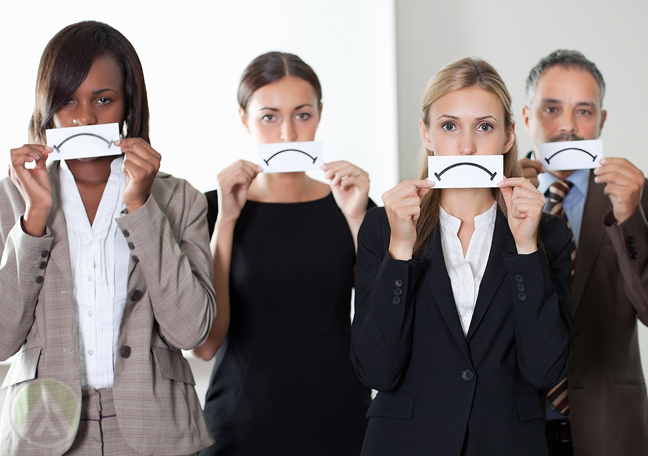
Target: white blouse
{"points": [[466, 273], [100, 257]]}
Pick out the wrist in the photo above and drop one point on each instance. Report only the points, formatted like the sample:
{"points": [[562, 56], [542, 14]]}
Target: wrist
{"points": [[525, 248], [400, 251], [34, 221]]}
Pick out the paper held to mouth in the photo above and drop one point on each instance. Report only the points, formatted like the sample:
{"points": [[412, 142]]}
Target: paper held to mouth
{"points": [[568, 155], [290, 157], [466, 171], [83, 142]]}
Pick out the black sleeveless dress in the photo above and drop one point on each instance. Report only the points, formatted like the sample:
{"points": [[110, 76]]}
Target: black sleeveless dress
{"points": [[283, 383]]}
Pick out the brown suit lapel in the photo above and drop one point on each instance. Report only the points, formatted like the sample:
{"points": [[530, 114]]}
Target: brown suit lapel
{"points": [[592, 233]]}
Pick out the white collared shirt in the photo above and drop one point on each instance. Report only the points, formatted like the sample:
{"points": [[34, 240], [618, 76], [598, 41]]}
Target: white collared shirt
{"points": [[466, 273], [100, 257]]}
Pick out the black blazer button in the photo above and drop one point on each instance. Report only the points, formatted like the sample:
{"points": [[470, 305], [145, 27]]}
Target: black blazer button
{"points": [[396, 301], [125, 233], [398, 292], [398, 283], [42, 265], [45, 253], [135, 295], [519, 278], [40, 279], [522, 296], [125, 351], [467, 375], [520, 287], [131, 246]]}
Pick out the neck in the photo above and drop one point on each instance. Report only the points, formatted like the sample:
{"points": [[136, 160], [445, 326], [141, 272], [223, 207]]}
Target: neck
{"points": [[281, 188], [562, 175], [93, 172], [467, 203]]}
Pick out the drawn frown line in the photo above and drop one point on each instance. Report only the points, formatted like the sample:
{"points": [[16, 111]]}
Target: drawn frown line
{"points": [[570, 148], [57, 148], [492, 175], [267, 162]]}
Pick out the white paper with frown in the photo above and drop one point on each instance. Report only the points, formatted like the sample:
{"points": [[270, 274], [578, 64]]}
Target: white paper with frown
{"points": [[568, 155], [83, 142], [465, 171], [291, 157]]}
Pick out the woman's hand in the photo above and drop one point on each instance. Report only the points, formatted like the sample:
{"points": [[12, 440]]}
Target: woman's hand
{"points": [[234, 182], [141, 164], [33, 185], [350, 187], [524, 204], [403, 206]]}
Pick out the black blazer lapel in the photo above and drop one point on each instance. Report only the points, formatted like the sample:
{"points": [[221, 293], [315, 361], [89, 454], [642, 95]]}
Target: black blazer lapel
{"points": [[597, 205], [495, 270], [439, 282]]}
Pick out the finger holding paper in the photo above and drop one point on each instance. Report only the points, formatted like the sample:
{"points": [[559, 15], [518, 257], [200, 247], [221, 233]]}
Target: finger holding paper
{"points": [[141, 164], [350, 187], [624, 187], [524, 204], [234, 183], [403, 207], [531, 169], [33, 185]]}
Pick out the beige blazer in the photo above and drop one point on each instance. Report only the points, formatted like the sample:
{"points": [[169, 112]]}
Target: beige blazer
{"points": [[607, 391], [171, 305]]}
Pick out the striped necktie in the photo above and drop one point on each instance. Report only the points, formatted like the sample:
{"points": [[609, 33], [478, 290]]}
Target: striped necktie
{"points": [[557, 192]]}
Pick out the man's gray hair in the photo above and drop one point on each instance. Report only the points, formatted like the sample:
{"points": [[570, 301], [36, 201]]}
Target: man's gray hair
{"points": [[565, 59]]}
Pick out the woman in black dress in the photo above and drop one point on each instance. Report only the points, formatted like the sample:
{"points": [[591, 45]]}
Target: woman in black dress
{"points": [[284, 257]]}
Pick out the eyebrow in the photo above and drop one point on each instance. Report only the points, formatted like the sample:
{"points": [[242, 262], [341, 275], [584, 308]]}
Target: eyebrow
{"points": [[98, 91], [298, 107], [476, 118], [580, 103]]}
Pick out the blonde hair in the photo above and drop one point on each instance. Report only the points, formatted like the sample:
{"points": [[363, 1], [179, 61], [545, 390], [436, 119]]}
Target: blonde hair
{"points": [[460, 74]]}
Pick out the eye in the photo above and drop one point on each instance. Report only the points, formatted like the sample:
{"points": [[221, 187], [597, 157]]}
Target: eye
{"points": [[484, 127], [449, 126], [584, 112], [551, 109], [103, 101], [303, 116], [268, 117]]}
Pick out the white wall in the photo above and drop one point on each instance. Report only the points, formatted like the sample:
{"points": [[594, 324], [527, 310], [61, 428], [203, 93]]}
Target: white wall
{"points": [[193, 53], [513, 35]]}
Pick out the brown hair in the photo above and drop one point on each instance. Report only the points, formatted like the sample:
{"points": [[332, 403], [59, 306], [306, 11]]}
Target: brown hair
{"points": [[271, 67], [64, 65], [460, 74]]}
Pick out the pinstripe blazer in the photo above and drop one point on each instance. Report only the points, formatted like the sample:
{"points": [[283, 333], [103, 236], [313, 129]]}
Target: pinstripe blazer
{"points": [[170, 306]]}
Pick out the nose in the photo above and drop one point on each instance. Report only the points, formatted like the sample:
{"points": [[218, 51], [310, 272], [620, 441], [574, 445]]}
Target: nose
{"points": [[288, 133], [567, 123], [467, 144], [84, 115]]}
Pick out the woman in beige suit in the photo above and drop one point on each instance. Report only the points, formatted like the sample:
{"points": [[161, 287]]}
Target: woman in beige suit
{"points": [[105, 272]]}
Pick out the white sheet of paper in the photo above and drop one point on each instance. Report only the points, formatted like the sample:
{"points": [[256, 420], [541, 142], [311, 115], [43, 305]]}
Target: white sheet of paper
{"points": [[568, 155], [291, 157], [466, 171], [82, 142]]}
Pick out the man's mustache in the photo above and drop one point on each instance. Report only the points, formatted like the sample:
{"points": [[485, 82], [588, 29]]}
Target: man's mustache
{"points": [[565, 137]]}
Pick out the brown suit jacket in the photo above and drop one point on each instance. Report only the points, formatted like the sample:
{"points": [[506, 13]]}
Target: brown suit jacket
{"points": [[607, 391], [170, 306]]}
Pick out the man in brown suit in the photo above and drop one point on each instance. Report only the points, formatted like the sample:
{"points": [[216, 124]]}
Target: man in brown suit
{"points": [[604, 410]]}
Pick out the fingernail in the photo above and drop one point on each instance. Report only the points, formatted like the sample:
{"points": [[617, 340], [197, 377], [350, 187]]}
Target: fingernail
{"points": [[116, 143], [543, 169], [500, 183], [430, 181], [48, 148], [602, 161]]}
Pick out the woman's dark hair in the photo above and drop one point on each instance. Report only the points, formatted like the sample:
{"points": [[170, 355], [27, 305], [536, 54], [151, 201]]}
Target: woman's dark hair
{"points": [[271, 67], [65, 63]]}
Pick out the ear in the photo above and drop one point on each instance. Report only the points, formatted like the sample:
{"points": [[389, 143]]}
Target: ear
{"points": [[510, 139], [526, 115], [243, 117], [425, 135], [603, 119]]}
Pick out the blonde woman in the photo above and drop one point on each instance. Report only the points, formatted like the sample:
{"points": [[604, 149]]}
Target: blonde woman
{"points": [[463, 304]]}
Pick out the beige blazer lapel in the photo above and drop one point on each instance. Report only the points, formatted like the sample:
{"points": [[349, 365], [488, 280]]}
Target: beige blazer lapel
{"points": [[60, 255], [592, 233]]}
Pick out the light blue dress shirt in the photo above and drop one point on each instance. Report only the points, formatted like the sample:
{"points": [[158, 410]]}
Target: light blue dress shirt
{"points": [[574, 202]]}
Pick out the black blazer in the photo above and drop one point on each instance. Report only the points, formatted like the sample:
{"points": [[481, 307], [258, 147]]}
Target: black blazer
{"points": [[434, 383]]}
